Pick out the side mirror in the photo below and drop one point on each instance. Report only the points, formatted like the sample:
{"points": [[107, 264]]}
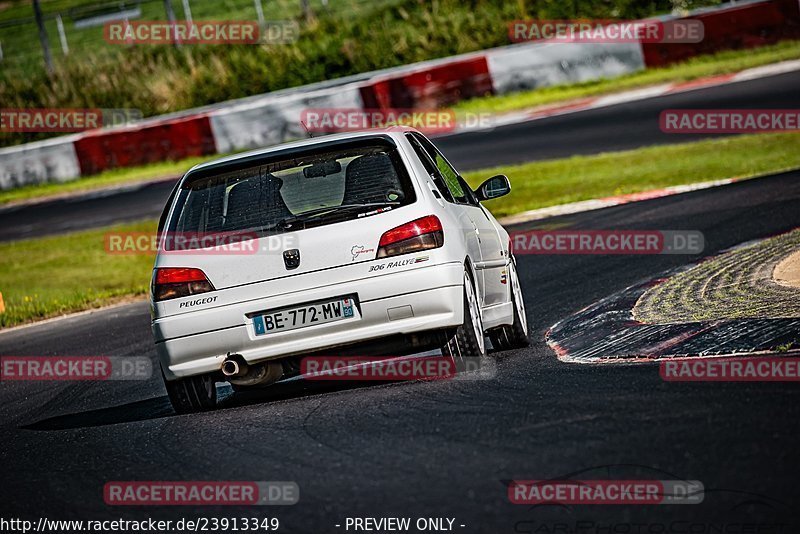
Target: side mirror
{"points": [[494, 187]]}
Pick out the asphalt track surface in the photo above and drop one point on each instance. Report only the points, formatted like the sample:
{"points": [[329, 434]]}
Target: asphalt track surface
{"points": [[618, 127], [440, 448]]}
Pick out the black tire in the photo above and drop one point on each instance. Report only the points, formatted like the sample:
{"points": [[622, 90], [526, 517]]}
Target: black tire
{"points": [[467, 344], [515, 335], [192, 394]]}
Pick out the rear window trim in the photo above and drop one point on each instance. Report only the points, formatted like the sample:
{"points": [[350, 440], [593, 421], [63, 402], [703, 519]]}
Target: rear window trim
{"points": [[282, 154], [379, 141]]}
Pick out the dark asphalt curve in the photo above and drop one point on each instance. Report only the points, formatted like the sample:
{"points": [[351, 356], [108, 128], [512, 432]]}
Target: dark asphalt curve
{"points": [[433, 449], [618, 127]]}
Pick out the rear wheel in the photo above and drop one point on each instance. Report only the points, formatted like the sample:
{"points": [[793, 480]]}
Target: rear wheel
{"points": [[515, 335], [467, 344], [192, 394]]}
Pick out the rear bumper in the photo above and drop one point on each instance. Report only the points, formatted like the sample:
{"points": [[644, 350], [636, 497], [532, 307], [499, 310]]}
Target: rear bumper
{"points": [[406, 302]]}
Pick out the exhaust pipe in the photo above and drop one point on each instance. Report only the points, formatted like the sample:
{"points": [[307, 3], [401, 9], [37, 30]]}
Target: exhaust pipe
{"points": [[231, 367], [239, 373]]}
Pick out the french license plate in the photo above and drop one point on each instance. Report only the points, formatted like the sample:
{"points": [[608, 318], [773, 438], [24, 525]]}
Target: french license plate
{"points": [[301, 316]]}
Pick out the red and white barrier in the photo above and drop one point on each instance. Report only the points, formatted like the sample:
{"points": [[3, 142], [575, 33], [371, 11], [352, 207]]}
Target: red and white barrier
{"points": [[541, 64], [150, 142], [737, 25], [269, 121], [51, 160], [430, 85]]}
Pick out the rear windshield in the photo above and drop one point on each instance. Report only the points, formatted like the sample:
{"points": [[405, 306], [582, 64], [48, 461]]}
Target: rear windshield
{"points": [[307, 190]]}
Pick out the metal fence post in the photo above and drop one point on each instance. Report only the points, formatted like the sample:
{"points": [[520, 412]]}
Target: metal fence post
{"points": [[259, 13], [172, 21], [306, 5], [187, 11], [62, 34], [37, 13]]}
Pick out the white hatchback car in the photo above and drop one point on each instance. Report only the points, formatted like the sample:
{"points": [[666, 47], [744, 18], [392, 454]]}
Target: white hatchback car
{"points": [[365, 243]]}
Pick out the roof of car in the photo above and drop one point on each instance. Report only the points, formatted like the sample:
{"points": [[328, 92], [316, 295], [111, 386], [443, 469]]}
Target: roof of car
{"points": [[301, 144]]}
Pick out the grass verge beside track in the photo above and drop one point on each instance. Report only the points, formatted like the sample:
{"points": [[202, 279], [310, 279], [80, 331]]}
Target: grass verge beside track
{"points": [[727, 62], [114, 177], [50, 276], [548, 183]]}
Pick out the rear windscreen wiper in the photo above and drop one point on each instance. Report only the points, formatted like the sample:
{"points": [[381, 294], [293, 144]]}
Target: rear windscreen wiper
{"points": [[289, 223], [305, 215]]}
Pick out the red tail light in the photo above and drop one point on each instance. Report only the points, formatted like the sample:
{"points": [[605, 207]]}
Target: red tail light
{"points": [[176, 282], [420, 234]]}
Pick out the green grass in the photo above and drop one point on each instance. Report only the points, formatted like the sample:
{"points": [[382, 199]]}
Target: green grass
{"points": [[25, 52], [700, 67], [114, 177], [54, 275], [50, 276], [732, 285], [547, 183]]}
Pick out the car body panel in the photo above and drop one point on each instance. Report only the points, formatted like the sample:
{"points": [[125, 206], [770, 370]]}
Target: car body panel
{"points": [[405, 294]]}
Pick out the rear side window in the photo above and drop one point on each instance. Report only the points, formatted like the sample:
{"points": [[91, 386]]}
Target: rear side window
{"points": [[430, 167], [450, 178], [305, 190], [162, 220], [449, 175]]}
